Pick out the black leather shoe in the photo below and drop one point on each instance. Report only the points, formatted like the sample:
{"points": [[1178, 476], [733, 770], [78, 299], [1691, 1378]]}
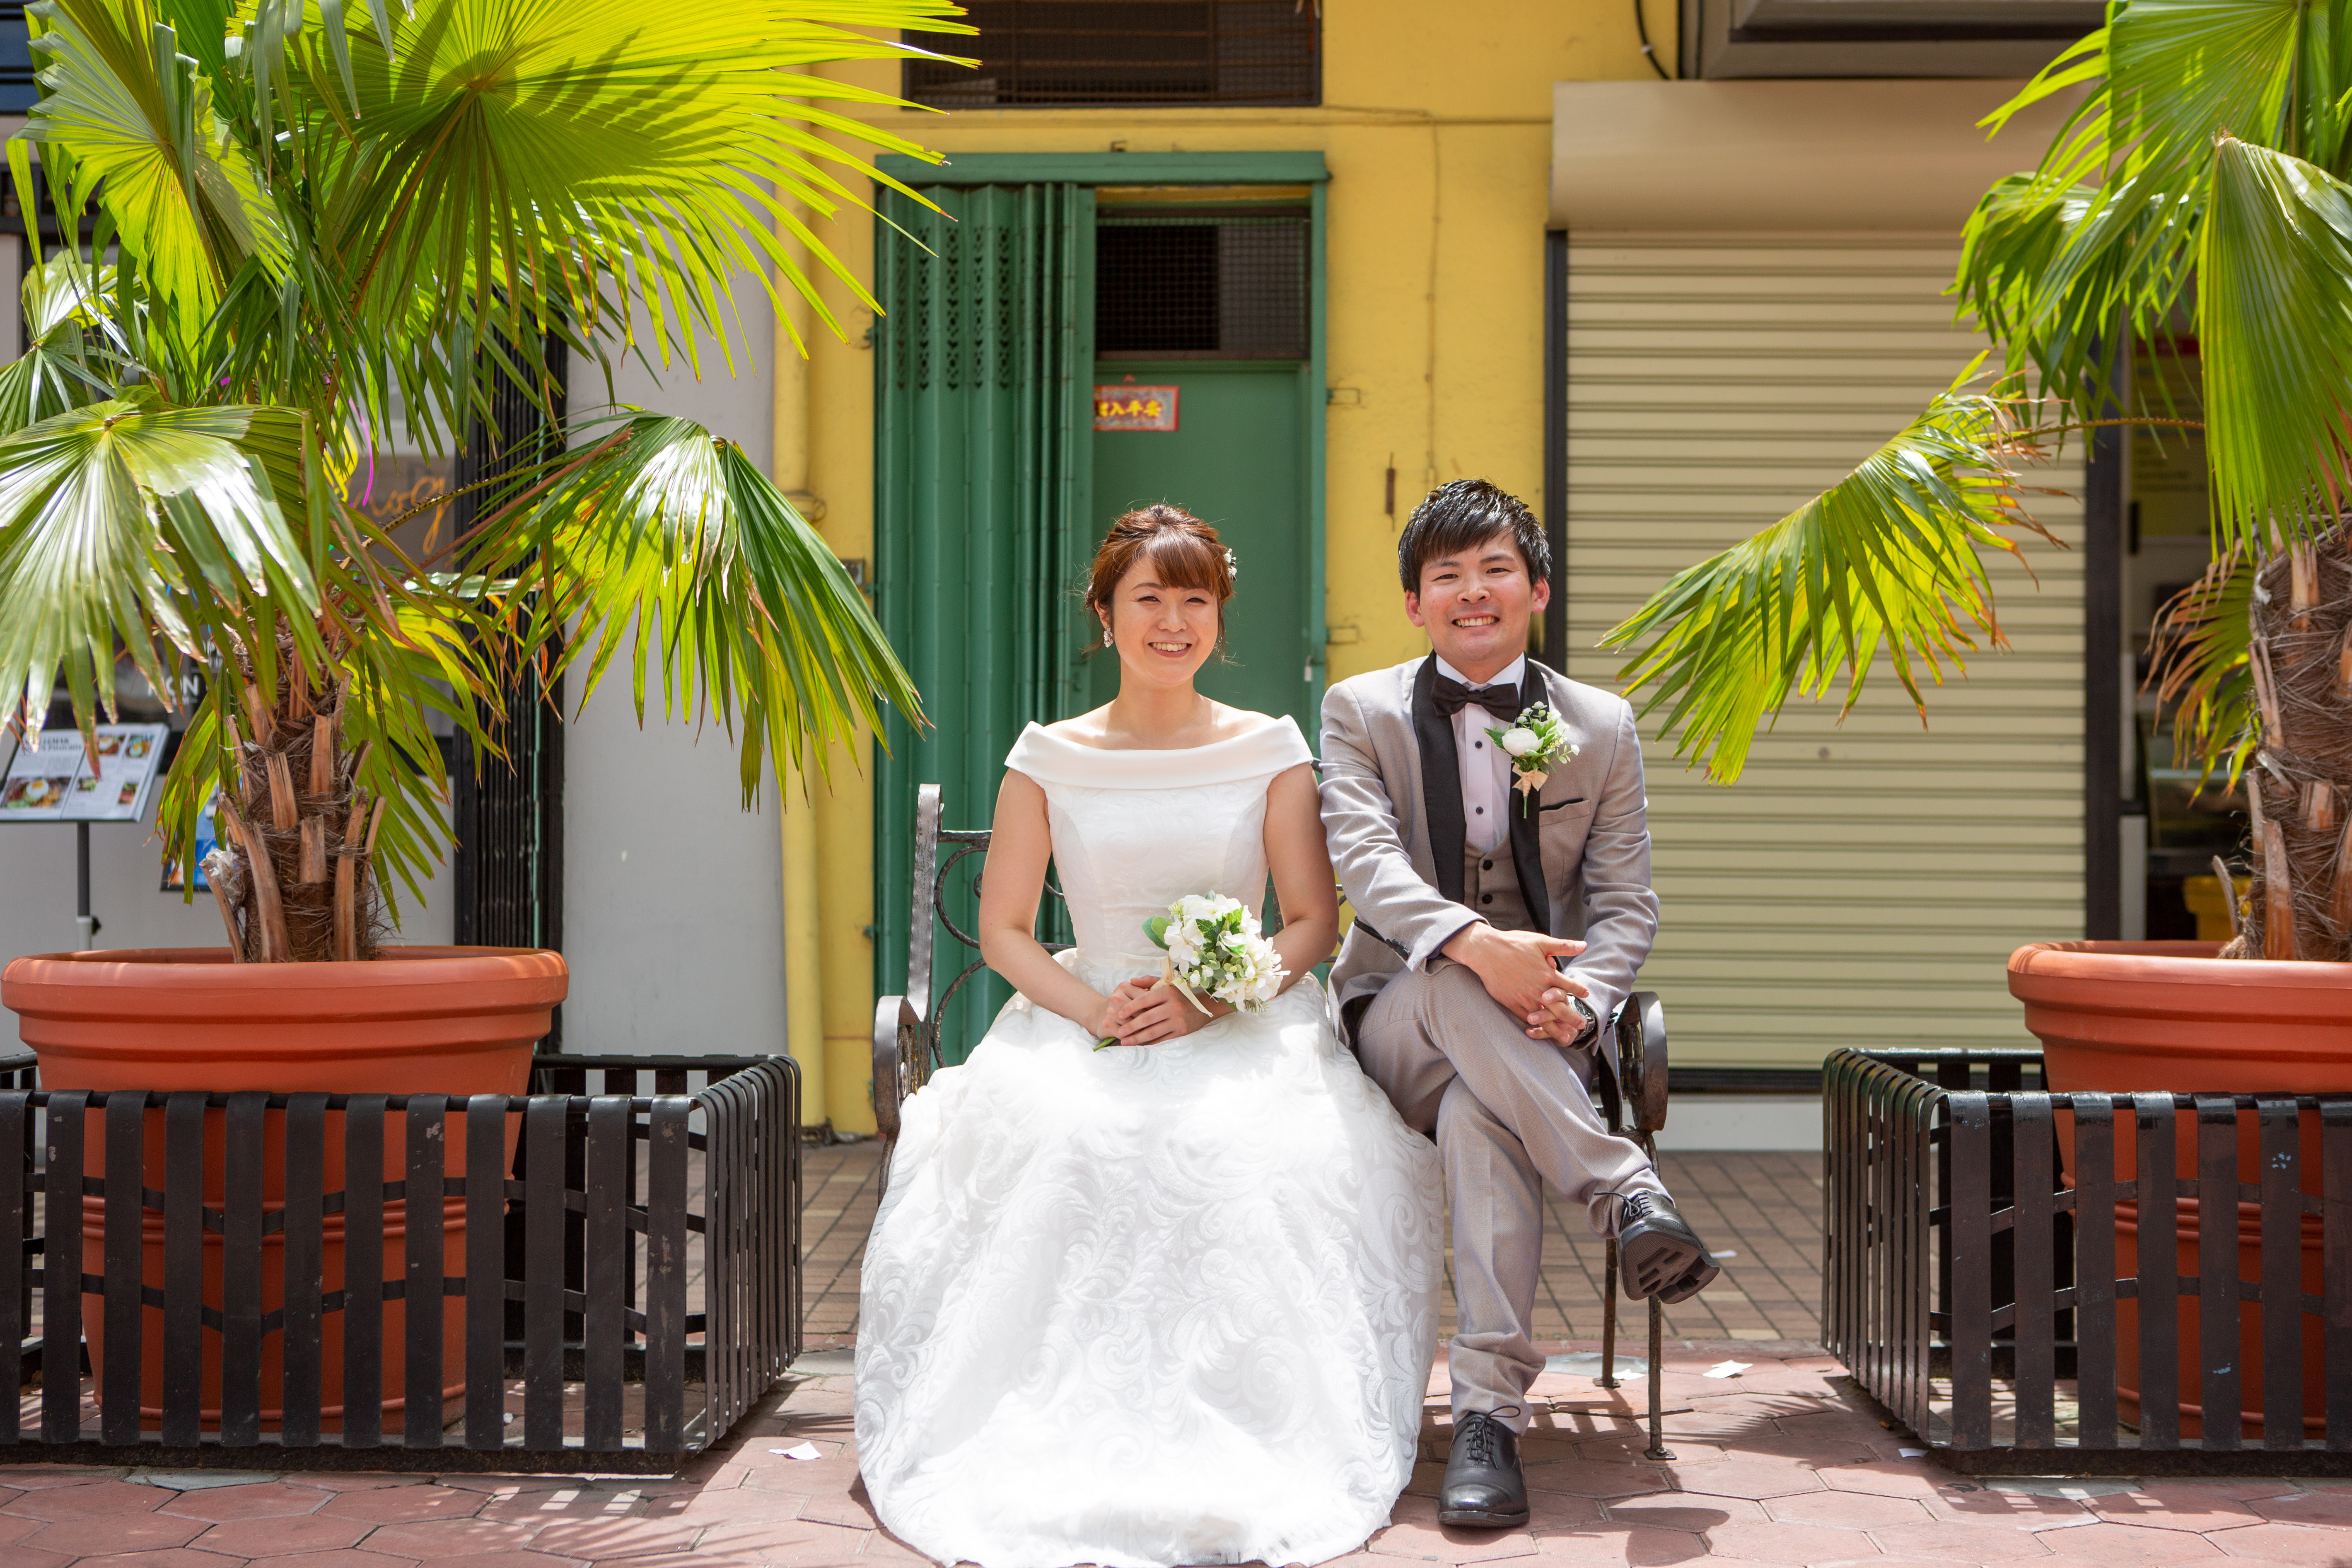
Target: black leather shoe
{"points": [[1483, 1488], [1658, 1253]]}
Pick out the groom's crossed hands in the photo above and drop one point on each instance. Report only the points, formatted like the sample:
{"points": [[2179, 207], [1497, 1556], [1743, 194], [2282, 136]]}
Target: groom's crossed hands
{"points": [[1521, 970]]}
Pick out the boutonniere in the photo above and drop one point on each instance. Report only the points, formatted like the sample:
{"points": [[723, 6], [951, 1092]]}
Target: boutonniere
{"points": [[1535, 745]]}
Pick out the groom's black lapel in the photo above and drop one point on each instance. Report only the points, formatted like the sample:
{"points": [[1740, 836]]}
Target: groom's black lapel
{"points": [[1527, 824], [1441, 781]]}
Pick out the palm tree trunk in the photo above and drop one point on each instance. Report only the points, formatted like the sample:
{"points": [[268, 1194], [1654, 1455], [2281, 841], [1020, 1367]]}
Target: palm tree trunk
{"points": [[301, 827], [2299, 787]]}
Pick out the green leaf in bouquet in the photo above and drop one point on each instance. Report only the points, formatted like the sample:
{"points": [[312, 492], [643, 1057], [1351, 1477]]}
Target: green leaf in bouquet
{"points": [[1156, 928]]}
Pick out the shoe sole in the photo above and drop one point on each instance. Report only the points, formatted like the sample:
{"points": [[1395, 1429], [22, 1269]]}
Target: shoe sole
{"points": [[1478, 1518], [1655, 1261], [1689, 1285]]}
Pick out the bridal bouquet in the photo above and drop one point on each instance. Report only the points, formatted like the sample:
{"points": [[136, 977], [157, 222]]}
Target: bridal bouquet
{"points": [[1211, 945]]}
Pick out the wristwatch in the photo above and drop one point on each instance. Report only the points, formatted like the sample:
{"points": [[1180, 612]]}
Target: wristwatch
{"points": [[1591, 1024]]}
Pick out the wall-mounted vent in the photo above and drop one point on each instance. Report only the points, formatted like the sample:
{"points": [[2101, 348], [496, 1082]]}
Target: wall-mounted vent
{"points": [[1106, 52], [1197, 286]]}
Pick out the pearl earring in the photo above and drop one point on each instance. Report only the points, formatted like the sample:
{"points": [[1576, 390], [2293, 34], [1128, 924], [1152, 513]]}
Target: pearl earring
{"points": [[1105, 636]]}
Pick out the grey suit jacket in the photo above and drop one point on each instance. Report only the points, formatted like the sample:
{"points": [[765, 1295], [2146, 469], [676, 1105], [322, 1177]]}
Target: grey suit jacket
{"points": [[1385, 787]]}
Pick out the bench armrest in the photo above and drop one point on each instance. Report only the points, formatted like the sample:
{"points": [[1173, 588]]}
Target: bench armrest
{"points": [[889, 1092]]}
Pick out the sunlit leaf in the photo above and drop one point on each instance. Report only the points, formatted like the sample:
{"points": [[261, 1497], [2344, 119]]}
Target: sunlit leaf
{"points": [[1887, 558]]}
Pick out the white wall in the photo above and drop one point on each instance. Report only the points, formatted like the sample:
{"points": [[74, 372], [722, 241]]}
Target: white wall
{"points": [[672, 894]]}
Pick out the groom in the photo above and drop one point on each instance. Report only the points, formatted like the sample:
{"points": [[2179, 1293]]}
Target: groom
{"points": [[1469, 892]]}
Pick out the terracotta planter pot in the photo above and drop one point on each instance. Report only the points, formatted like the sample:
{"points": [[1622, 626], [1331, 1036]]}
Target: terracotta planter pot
{"points": [[2122, 1017], [450, 1020]]}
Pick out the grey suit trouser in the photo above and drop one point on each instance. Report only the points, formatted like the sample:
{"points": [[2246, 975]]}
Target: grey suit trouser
{"points": [[1510, 1114]]}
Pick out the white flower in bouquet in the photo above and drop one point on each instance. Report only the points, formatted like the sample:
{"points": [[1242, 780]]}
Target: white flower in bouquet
{"points": [[1215, 947], [1520, 740]]}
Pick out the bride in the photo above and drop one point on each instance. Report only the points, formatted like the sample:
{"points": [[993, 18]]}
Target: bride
{"points": [[1173, 1301]]}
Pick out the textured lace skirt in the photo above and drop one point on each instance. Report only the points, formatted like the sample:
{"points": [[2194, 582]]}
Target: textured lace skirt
{"points": [[1146, 1307]]}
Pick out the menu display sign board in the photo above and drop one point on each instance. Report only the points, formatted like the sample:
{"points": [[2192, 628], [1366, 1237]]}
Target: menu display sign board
{"points": [[60, 779]]}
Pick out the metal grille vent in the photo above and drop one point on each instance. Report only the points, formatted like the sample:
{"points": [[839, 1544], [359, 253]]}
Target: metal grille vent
{"points": [[1125, 51], [1187, 286], [17, 92], [509, 870]]}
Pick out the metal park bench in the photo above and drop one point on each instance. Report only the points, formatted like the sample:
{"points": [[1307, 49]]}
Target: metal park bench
{"points": [[907, 1027]]}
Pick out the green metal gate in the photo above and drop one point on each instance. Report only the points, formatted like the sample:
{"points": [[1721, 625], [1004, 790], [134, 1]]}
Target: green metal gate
{"points": [[983, 370]]}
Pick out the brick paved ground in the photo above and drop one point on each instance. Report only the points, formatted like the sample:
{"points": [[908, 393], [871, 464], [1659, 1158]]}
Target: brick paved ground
{"points": [[1781, 1465], [1766, 1210]]}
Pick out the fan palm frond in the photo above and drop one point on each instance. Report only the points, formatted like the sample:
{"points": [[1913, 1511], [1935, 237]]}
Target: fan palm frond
{"points": [[2274, 318], [668, 538], [128, 526], [1886, 558], [2198, 657]]}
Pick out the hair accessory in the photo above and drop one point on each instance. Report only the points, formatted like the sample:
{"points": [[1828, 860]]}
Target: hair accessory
{"points": [[1233, 567]]}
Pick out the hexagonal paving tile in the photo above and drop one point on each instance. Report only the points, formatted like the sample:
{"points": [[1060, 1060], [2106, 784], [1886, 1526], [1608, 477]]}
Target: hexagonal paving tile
{"points": [[94, 1501], [1798, 1544], [431, 1540], [119, 1532], [1954, 1541], [1847, 1511], [596, 1540], [46, 1478], [405, 1504], [2305, 1508], [282, 1537], [2172, 1506], [270, 1499], [170, 1557], [1975, 1502], [1589, 1478], [1752, 1479], [1696, 1512], [1634, 1546], [2283, 1543], [347, 1559], [2126, 1543], [1885, 1477], [1629, 1450]]}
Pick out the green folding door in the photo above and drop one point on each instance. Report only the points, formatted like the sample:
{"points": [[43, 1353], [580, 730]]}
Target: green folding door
{"points": [[984, 366]]}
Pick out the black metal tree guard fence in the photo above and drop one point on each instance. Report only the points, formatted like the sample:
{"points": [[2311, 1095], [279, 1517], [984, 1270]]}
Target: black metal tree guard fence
{"points": [[573, 1290], [1971, 1280]]}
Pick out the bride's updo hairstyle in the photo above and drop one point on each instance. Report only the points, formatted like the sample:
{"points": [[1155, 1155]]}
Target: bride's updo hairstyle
{"points": [[1181, 550]]}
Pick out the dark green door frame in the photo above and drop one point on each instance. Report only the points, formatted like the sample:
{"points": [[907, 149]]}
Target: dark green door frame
{"points": [[1288, 167], [910, 431]]}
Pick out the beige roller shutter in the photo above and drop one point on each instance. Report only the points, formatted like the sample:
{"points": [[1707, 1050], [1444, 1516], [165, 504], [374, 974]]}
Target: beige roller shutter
{"points": [[1863, 883]]}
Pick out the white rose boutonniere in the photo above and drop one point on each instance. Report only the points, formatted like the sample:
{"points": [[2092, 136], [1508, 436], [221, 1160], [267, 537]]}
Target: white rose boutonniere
{"points": [[1537, 745]]}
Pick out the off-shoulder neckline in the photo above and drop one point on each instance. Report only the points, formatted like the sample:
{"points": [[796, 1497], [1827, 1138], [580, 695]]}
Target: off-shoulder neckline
{"points": [[1270, 749], [1272, 722]]}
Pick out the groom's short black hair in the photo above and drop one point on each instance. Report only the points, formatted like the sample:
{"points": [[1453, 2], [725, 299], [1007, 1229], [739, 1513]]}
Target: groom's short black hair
{"points": [[1461, 515]]}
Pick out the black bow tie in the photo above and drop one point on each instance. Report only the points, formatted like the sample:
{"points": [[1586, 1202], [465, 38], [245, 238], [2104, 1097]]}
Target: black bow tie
{"points": [[1450, 697]]}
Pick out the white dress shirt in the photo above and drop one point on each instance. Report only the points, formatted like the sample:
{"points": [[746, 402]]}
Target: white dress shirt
{"points": [[1485, 769]]}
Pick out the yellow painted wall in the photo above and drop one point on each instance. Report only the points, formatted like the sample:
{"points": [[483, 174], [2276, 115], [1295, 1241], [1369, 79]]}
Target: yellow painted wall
{"points": [[1436, 127]]}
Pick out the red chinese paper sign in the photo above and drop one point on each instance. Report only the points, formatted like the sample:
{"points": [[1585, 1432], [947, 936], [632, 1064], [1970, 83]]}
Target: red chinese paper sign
{"points": [[1131, 408]]}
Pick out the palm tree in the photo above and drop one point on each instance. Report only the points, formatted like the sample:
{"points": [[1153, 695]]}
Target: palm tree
{"points": [[2203, 175], [300, 229]]}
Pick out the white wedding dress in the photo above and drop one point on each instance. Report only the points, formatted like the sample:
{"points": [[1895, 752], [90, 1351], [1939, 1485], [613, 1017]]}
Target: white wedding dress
{"points": [[1152, 1305]]}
